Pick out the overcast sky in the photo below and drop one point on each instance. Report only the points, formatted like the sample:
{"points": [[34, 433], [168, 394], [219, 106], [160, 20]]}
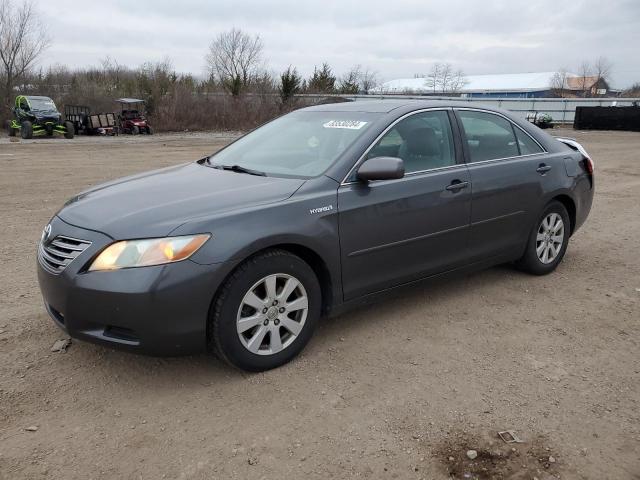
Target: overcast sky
{"points": [[396, 38]]}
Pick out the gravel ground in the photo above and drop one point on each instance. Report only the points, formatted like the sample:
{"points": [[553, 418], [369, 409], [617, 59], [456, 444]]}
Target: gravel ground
{"points": [[401, 389]]}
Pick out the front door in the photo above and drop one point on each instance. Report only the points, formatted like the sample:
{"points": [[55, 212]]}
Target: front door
{"points": [[396, 231]]}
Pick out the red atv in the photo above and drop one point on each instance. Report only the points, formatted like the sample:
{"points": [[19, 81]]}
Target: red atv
{"points": [[131, 117]]}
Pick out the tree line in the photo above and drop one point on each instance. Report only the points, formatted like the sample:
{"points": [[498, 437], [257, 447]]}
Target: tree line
{"points": [[235, 62], [238, 91]]}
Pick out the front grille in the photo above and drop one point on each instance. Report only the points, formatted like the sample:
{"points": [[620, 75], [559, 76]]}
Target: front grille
{"points": [[57, 254]]}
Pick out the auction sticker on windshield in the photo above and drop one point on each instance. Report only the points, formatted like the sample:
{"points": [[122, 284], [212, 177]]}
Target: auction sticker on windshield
{"points": [[349, 124]]}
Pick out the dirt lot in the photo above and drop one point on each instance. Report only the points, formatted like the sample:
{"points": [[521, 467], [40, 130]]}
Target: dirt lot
{"points": [[400, 389]]}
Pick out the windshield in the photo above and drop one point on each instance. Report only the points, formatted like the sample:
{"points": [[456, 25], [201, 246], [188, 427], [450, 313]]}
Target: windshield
{"points": [[42, 104], [300, 144]]}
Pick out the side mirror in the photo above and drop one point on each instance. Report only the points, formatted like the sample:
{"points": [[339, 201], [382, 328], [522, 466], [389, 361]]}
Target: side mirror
{"points": [[381, 168]]}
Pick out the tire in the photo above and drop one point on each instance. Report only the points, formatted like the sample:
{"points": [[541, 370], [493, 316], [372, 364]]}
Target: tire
{"points": [[135, 130], [242, 350], [70, 130], [10, 130], [545, 250], [26, 130], [149, 130]]}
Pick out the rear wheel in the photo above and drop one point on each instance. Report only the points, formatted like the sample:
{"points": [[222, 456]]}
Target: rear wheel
{"points": [[266, 311], [26, 130], [69, 130], [548, 241], [149, 130]]}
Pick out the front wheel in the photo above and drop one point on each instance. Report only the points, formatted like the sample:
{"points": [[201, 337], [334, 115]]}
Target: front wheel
{"points": [[135, 130], [10, 130], [26, 130], [266, 311], [548, 241]]}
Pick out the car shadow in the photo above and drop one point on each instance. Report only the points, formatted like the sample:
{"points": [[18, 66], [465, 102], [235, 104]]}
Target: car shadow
{"points": [[206, 370]]}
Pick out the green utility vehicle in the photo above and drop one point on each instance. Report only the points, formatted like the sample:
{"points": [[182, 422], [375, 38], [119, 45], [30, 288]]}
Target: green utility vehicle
{"points": [[34, 115]]}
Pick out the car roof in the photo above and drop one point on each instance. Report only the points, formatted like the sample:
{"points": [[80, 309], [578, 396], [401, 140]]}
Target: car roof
{"points": [[36, 97], [386, 106], [370, 106]]}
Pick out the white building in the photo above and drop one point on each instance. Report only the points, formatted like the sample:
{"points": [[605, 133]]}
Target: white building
{"points": [[510, 85]]}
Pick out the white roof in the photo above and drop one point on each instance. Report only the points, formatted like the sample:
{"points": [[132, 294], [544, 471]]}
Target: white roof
{"points": [[509, 82]]}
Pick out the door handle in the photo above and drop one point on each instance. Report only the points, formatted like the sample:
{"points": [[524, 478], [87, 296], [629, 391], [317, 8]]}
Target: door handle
{"points": [[543, 168], [457, 185]]}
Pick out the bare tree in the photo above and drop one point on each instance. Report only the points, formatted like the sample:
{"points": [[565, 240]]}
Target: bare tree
{"points": [[457, 82], [559, 83], [233, 58], [602, 68], [585, 73], [442, 78], [433, 78], [22, 39], [446, 72], [263, 82], [368, 80]]}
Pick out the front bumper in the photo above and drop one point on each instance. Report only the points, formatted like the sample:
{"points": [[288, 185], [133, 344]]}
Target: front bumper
{"points": [[159, 310]]}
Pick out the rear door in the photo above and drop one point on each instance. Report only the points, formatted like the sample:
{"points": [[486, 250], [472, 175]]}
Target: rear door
{"points": [[507, 169], [395, 231]]}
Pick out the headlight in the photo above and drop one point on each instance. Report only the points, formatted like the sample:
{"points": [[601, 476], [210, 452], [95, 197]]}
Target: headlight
{"points": [[144, 253]]}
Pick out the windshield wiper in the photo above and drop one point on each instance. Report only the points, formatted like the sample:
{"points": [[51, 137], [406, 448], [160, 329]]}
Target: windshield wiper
{"points": [[237, 168]]}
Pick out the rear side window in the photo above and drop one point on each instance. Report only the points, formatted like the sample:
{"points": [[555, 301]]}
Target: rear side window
{"points": [[526, 143], [423, 141], [488, 136]]}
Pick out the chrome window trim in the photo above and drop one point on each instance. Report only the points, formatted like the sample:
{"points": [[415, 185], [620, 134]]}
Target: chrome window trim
{"points": [[512, 124], [492, 160], [384, 132]]}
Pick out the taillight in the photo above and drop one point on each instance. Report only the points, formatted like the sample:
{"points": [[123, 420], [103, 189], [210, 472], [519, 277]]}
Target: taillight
{"points": [[574, 145], [588, 163]]}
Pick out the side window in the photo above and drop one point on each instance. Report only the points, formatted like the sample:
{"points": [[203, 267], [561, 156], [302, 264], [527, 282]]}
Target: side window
{"points": [[526, 143], [424, 141], [23, 104], [488, 136]]}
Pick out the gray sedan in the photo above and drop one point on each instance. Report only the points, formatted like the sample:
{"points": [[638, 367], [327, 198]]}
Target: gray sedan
{"points": [[241, 253]]}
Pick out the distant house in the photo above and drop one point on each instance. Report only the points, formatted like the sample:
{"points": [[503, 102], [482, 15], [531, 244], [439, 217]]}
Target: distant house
{"points": [[510, 85], [591, 86]]}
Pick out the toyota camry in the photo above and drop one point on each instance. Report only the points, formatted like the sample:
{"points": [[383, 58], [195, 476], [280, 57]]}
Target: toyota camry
{"points": [[242, 252]]}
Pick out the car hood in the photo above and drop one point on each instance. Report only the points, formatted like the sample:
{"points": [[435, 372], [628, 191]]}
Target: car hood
{"points": [[155, 203]]}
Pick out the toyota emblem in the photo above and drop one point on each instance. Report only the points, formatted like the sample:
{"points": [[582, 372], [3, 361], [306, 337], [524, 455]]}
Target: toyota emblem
{"points": [[46, 233]]}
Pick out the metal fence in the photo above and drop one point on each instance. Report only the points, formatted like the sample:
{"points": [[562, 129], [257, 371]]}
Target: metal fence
{"points": [[562, 110]]}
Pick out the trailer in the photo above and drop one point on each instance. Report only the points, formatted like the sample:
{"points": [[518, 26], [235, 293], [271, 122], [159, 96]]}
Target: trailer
{"points": [[77, 115], [91, 124]]}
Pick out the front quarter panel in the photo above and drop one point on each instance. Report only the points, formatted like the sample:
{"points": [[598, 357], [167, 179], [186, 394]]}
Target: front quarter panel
{"points": [[307, 219]]}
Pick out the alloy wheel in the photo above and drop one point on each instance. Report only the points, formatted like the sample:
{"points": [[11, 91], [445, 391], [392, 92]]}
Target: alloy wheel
{"points": [[549, 238], [272, 314]]}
